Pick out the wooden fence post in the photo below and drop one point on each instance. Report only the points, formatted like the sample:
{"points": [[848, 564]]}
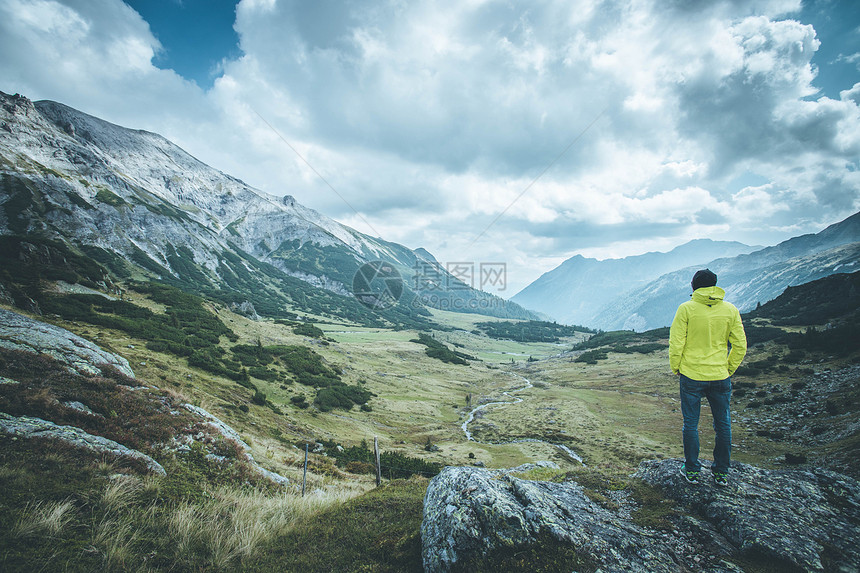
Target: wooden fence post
{"points": [[376, 456], [305, 474]]}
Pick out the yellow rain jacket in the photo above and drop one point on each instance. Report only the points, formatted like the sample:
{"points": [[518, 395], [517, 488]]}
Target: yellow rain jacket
{"points": [[700, 335]]}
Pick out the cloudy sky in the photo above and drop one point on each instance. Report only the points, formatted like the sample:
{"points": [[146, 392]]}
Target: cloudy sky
{"points": [[512, 131]]}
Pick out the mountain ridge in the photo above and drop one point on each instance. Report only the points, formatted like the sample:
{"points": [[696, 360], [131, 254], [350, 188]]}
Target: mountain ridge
{"points": [[596, 294], [140, 198], [574, 291], [749, 279]]}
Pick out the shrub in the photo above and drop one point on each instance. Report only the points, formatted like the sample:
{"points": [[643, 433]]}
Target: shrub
{"points": [[838, 341], [794, 356], [299, 401], [592, 356], [436, 349], [259, 398], [747, 371], [263, 373], [340, 396], [623, 338], [394, 464], [528, 331], [308, 329], [758, 334], [186, 329], [305, 365], [359, 468]]}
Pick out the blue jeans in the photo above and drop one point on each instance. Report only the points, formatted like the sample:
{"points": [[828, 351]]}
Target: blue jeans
{"points": [[718, 393]]}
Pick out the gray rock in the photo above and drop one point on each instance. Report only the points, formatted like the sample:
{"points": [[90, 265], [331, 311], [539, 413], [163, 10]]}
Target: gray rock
{"points": [[28, 427], [80, 407], [805, 520], [470, 512], [17, 332], [793, 515], [246, 309], [5, 297], [232, 434], [218, 425]]}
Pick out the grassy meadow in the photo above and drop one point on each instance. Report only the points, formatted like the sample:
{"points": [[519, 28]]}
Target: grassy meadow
{"points": [[617, 412], [66, 511]]}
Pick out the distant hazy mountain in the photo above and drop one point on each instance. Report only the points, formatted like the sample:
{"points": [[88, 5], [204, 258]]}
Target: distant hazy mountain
{"points": [[575, 291], [136, 202], [748, 279]]}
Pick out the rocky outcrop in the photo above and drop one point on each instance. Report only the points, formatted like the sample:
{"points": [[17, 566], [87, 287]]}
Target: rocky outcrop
{"points": [[807, 521], [470, 512], [17, 332], [246, 309], [29, 427], [231, 434]]}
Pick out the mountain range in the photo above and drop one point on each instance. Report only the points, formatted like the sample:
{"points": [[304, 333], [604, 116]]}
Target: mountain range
{"points": [[138, 204], [103, 201], [575, 291], [643, 292]]}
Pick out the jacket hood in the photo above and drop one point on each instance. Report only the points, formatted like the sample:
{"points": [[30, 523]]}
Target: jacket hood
{"points": [[709, 295]]}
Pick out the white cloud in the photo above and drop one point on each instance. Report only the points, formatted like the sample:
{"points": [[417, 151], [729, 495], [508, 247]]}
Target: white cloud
{"points": [[431, 121]]}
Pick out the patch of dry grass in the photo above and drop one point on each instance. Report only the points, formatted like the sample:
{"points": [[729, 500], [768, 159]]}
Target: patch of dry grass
{"points": [[234, 524], [44, 518]]}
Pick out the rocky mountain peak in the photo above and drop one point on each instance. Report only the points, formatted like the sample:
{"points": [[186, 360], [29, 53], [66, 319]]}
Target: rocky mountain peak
{"points": [[136, 197], [16, 104]]}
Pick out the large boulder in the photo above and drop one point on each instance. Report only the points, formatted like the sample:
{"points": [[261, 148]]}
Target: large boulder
{"points": [[17, 332], [798, 520], [806, 519], [29, 427], [469, 513]]}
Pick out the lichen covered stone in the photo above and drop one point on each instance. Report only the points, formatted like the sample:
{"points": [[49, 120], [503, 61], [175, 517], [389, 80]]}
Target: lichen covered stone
{"points": [[17, 332], [30, 427], [798, 520]]}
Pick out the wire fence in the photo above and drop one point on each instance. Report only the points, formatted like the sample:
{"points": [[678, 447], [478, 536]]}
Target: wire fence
{"points": [[375, 459]]}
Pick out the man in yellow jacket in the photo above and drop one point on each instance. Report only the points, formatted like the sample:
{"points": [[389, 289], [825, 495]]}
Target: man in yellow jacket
{"points": [[706, 345]]}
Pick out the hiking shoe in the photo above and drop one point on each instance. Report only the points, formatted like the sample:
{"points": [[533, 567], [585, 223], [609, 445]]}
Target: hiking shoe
{"points": [[692, 477], [721, 479]]}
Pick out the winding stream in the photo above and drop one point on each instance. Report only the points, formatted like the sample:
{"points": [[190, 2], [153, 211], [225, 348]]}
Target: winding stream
{"points": [[514, 400]]}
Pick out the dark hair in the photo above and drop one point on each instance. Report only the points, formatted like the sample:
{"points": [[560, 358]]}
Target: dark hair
{"points": [[704, 278]]}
